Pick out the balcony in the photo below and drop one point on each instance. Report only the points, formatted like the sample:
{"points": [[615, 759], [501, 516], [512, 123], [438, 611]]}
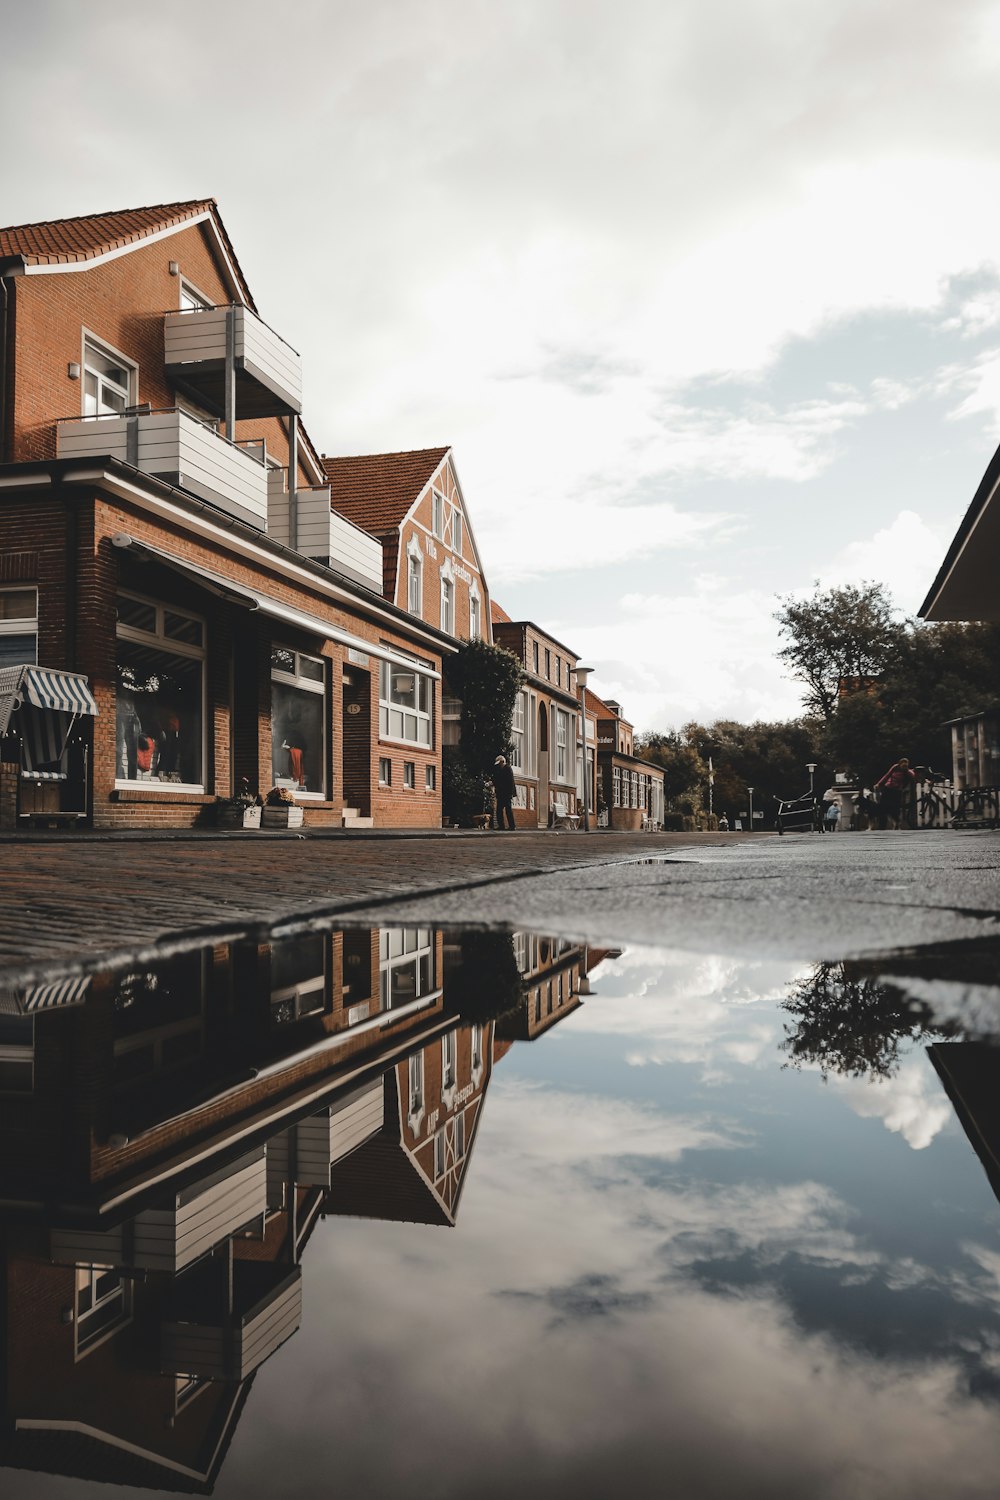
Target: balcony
{"points": [[307, 1151], [176, 447], [172, 1235], [268, 371], [222, 1330], [321, 533]]}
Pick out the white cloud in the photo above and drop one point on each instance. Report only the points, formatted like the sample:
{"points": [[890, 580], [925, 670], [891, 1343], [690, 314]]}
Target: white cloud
{"points": [[904, 555]]}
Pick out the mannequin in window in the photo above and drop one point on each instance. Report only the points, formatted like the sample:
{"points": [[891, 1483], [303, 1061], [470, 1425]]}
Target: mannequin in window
{"points": [[295, 743]]}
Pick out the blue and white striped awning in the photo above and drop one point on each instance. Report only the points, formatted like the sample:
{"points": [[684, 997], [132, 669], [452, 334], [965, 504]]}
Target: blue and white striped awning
{"points": [[56, 995], [45, 688]]}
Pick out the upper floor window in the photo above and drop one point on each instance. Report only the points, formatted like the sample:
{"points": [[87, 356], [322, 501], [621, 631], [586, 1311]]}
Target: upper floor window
{"points": [[559, 671], [416, 1081], [457, 531], [192, 300], [448, 606], [18, 627], [108, 382], [534, 656], [562, 723], [448, 1060], [406, 698], [414, 585], [517, 733], [475, 617], [437, 514]]}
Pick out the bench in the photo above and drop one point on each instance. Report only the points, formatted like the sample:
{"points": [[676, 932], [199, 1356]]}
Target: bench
{"points": [[561, 815]]}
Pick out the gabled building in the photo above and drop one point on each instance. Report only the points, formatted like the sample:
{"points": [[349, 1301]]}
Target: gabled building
{"points": [[193, 609], [546, 726], [631, 789], [413, 503]]}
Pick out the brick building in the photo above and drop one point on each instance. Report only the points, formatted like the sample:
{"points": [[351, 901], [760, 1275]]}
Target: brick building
{"points": [[168, 551], [546, 727], [630, 788]]}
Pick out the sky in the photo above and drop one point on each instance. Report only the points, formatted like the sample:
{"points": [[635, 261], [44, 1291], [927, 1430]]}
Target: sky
{"points": [[704, 294]]}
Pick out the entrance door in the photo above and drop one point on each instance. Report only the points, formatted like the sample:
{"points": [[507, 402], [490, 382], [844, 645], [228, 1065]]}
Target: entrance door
{"points": [[543, 767], [357, 740]]}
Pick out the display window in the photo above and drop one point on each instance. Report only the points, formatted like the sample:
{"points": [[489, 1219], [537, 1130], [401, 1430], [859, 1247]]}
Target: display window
{"points": [[159, 708], [298, 722]]}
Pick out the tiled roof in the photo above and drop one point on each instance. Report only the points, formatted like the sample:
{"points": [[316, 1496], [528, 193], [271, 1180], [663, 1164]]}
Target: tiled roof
{"points": [[598, 706], [68, 241], [375, 490], [499, 616]]}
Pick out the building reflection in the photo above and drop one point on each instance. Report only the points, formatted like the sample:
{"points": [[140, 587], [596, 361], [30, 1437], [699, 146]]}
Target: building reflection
{"points": [[173, 1133]]}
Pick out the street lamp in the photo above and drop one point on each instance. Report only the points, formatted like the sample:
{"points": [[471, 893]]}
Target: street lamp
{"points": [[750, 791], [811, 768], [582, 673]]}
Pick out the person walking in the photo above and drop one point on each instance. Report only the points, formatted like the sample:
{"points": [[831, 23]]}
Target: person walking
{"points": [[890, 788], [503, 786]]}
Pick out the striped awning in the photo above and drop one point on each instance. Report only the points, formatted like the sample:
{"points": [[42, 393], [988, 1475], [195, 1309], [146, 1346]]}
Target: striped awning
{"points": [[60, 992], [45, 688]]}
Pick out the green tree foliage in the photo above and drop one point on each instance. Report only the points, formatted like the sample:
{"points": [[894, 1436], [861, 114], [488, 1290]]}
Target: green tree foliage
{"points": [[772, 758], [685, 773], [844, 1020], [840, 632], [482, 981], [487, 679]]}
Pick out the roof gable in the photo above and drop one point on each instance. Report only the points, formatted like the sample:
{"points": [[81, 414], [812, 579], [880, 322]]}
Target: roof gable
{"points": [[66, 244], [377, 490]]}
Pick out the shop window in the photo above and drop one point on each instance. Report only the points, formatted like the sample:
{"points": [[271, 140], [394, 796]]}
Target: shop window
{"points": [[160, 694], [298, 722], [406, 696], [103, 1303], [409, 775], [108, 382], [18, 627]]}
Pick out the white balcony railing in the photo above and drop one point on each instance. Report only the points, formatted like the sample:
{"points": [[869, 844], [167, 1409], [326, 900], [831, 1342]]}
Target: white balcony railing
{"points": [[321, 533], [268, 371], [177, 447]]}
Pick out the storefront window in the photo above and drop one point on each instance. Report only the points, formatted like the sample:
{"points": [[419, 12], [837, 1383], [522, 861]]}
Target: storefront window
{"points": [[298, 720], [160, 694], [406, 697]]}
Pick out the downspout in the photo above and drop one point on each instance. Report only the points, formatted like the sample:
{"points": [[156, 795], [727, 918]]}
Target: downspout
{"points": [[6, 362]]}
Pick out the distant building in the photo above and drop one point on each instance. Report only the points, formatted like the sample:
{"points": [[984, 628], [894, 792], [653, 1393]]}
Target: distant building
{"points": [[631, 789]]}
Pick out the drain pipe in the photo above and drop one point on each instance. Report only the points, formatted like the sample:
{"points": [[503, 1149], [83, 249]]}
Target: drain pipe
{"points": [[293, 481], [6, 361]]}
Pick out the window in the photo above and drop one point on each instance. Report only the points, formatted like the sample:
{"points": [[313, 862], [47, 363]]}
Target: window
{"points": [[448, 606], [430, 778], [298, 722], [159, 703], [460, 1135], [17, 1054], [406, 697], [103, 1303], [477, 1047], [409, 774], [534, 657], [384, 771], [448, 1060], [406, 965], [107, 382], [192, 300], [475, 617], [562, 761], [616, 783], [559, 671], [437, 515], [456, 531], [414, 584], [548, 663], [298, 978], [18, 627], [416, 1078], [517, 734], [439, 1154]]}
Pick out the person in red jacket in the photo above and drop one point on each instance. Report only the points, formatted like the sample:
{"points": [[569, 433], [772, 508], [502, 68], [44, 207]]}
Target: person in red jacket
{"points": [[891, 786]]}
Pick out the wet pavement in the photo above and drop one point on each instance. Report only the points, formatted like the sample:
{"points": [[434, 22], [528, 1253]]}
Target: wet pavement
{"points": [[71, 901]]}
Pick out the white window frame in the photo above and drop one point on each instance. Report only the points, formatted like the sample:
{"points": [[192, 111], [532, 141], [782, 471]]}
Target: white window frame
{"points": [[404, 947], [190, 299], [385, 770], [414, 575], [27, 625], [447, 600], [475, 614], [449, 1063], [318, 689], [437, 515], [457, 531], [409, 775], [562, 742], [161, 641], [423, 718], [416, 1089], [517, 733], [121, 1294], [91, 345], [430, 778]]}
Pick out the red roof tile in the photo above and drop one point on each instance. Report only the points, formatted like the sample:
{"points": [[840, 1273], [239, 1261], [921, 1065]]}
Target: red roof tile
{"points": [[598, 706], [499, 616], [69, 241], [376, 490]]}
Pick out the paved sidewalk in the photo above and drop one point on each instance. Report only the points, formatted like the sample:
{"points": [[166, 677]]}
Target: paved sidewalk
{"points": [[85, 900]]}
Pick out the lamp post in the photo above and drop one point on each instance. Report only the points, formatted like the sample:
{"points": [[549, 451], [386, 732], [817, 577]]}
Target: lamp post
{"points": [[582, 673], [750, 791], [811, 768]]}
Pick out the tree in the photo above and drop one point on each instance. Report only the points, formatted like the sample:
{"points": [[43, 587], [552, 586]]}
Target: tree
{"points": [[848, 1021], [839, 632], [487, 679], [685, 773]]}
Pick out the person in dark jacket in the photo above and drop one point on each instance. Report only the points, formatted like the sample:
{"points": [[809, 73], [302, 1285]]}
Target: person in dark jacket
{"points": [[896, 781], [503, 787]]}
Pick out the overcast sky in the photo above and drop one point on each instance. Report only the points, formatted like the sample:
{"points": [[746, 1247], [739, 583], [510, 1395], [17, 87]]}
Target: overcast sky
{"points": [[705, 294]]}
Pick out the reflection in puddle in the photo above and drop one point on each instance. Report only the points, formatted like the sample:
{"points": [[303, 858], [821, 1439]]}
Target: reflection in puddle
{"points": [[725, 1221]]}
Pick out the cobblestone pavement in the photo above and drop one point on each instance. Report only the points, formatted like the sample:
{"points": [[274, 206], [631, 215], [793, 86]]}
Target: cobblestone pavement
{"points": [[90, 899], [67, 900]]}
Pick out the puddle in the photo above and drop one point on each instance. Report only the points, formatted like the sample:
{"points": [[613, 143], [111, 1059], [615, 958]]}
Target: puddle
{"points": [[461, 1212]]}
